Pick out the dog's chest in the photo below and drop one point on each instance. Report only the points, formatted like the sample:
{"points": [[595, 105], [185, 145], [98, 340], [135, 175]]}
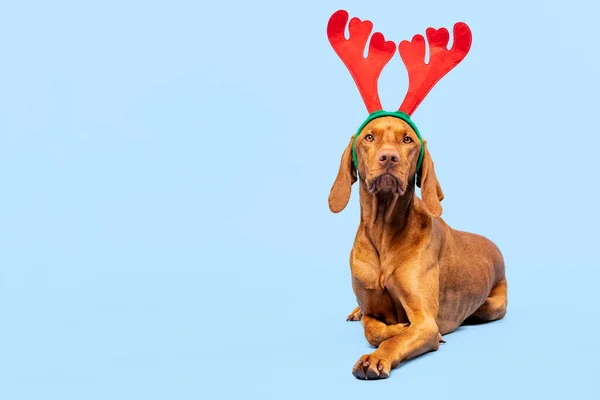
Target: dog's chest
{"points": [[375, 300], [371, 271]]}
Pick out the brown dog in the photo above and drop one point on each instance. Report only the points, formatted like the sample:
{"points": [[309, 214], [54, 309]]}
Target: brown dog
{"points": [[414, 277]]}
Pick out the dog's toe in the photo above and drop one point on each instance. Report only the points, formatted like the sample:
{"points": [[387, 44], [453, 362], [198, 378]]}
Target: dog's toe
{"points": [[372, 372], [359, 369], [355, 315], [384, 369]]}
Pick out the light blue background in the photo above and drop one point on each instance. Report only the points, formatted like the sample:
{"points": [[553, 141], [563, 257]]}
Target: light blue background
{"points": [[165, 167]]}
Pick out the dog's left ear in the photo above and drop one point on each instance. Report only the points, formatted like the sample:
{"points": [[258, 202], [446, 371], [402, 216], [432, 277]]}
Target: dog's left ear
{"points": [[340, 191], [431, 191]]}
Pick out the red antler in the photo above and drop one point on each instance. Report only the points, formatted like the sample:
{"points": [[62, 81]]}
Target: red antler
{"points": [[422, 77], [365, 71]]}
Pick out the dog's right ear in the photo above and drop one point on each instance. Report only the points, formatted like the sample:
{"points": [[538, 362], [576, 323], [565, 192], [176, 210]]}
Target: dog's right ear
{"points": [[340, 191]]}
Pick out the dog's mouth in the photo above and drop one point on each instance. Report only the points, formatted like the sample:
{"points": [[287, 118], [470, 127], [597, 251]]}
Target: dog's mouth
{"points": [[386, 182]]}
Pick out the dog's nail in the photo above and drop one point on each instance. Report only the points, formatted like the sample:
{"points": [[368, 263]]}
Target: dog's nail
{"points": [[380, 367], [366, 364]]}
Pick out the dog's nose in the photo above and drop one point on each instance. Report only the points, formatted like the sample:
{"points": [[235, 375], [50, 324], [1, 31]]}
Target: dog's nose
{"points": [[388, 157]]}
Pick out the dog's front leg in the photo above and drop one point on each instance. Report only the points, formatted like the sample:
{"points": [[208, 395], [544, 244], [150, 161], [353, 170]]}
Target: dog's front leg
{"points": [[377, 332], [417, 339], [418, 293]]}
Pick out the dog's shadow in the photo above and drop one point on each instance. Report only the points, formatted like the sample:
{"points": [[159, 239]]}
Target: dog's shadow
{"points": [[473, 321]]}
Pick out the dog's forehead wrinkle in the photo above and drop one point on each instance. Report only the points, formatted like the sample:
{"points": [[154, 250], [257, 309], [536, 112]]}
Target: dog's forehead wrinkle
{"points": [[382, 126], [401, 131]]}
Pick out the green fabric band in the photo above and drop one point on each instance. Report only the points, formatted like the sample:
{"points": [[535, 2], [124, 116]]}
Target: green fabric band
{"points": [[397, 114]]}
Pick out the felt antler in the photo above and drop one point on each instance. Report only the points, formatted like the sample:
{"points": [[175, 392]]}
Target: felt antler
{"points": [[365, 71], [422, 77]]}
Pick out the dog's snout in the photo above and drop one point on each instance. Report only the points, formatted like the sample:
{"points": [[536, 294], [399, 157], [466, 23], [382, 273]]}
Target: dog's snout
{"points": [[388, 157]]}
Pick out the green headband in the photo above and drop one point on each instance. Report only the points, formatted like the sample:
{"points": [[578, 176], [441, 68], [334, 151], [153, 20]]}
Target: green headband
{"points": [[397, 114]]}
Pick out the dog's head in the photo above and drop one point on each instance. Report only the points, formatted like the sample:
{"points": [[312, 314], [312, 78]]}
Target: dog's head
{"points": [[387, 152]]}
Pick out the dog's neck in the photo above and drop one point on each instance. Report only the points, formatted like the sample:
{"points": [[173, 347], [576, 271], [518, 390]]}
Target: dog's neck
{"points": [[385, 214]]}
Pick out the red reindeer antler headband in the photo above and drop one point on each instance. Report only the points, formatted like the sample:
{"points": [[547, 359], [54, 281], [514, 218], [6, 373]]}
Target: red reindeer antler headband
{"points": [[421, 76]]}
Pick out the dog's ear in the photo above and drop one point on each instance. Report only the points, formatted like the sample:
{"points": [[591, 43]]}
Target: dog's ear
{"points": [[340, 191], [431, 191]]}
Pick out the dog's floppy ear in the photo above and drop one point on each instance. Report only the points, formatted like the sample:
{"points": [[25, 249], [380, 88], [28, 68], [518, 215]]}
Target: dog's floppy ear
{"points": [[431, 191], [340, 191]]}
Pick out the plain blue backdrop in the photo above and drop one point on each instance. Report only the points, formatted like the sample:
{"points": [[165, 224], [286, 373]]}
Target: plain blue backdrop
{"points": [[165, 167]]}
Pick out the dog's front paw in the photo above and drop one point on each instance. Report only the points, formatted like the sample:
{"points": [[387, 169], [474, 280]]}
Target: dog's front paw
{"points": [[370, 366], [355, 315]]}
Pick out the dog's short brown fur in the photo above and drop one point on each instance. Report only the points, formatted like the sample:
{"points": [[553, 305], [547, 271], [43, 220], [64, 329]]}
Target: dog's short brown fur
{"points": [[414, 277]]}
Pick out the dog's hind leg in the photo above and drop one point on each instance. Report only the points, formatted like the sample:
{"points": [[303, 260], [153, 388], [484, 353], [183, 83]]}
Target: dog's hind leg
{"points": [[355, 315], [494, 307]]}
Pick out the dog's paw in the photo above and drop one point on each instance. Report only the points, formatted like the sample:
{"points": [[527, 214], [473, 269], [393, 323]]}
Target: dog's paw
{"points": [[371, 366], [355, 315]]}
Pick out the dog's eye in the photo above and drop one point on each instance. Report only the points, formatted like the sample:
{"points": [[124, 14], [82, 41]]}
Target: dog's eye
{"points": [[407, 139], [369, 138]]}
